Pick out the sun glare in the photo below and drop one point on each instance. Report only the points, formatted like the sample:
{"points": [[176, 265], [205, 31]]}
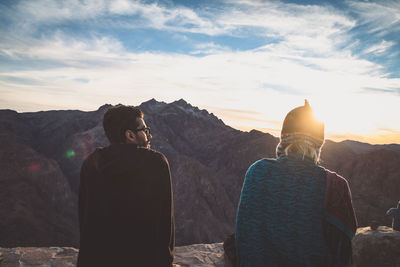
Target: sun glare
{"points": [[360, 115]]}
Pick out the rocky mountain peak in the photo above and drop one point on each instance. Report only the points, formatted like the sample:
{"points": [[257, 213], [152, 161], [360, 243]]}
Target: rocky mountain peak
{"points": [[179, 108], [104, 107], [152, 106], [8, 111], [196, 112], [181, 102]]}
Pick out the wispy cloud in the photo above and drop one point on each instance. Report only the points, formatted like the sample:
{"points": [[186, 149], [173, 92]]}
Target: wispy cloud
{"points": [[287, 19], [65, 49], [381, 17], [102, 13], [379, 48], [209, 48]]}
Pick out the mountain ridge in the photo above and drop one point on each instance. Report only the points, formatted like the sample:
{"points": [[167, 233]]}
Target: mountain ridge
{"points": [[208, 162]]}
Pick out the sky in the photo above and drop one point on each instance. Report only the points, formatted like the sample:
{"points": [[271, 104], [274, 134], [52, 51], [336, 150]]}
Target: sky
{"points": [[247, 61]]}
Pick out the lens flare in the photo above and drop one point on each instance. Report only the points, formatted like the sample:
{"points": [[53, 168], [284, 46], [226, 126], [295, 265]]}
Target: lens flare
{"points": [[70, 153], [33, 167]]}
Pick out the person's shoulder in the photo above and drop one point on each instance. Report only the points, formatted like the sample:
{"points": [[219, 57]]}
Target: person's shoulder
{"points": [[335, 177], [153, 155], [265, 162], [91, 162], [262, 164], [92, 156]]}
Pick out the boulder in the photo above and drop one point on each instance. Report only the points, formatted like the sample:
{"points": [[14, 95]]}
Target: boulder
{"points": [[204, 255], [380, 247], [31, 256]]}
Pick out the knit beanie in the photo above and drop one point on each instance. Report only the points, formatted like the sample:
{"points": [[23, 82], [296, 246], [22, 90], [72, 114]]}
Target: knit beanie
{"points": [[301, 126]]}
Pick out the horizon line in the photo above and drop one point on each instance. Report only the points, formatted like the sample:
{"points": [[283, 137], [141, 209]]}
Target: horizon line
{"points": [[377, 139]]}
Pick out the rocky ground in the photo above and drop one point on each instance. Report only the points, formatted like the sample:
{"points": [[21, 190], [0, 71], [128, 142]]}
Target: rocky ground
{"points": [[205, 255], [378, 247]]}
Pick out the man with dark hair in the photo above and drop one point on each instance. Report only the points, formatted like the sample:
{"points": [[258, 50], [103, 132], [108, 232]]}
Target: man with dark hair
{"points": [[125, 198]]}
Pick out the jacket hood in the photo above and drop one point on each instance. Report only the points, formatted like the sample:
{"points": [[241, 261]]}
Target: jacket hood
{"points": [[113, 159]]}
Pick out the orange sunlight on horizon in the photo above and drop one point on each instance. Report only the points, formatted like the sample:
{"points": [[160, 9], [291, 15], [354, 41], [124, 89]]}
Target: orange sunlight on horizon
{"points": [[378, 139], [357, 117]]}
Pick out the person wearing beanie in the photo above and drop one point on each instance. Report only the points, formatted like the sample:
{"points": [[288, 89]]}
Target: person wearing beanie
{"points": [[292, 211], [395, 213]]}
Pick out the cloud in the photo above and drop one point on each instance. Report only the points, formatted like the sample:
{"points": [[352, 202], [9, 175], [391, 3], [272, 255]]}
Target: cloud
{"points": [[288, 19], [209, 48], [268, 18], [311, 29], [105, 64], [379, 48], [380, 18], [102, 14], [306, 56], [65, 50], [179, 19], [249, 116]]}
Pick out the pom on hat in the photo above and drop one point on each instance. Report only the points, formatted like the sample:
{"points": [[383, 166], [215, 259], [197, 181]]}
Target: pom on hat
{"points": [[301, 121]]}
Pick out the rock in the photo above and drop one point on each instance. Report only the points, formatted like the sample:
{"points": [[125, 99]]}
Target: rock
{"points": [[374, 225], [31, 256], [204, 255], [380, 247]]}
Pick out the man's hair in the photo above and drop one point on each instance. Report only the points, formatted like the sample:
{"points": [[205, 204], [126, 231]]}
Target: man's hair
{"points": [[118, 119]]}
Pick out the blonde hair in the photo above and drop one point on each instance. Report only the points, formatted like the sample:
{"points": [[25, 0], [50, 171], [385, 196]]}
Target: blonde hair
{"points": [[304, 149]]}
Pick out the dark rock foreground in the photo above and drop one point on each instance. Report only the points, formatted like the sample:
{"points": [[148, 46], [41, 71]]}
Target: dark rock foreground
{"points": [[205, 255], [371, 248]]}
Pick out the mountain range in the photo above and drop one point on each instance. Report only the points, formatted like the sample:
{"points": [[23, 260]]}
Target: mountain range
{"points": [[41, 154]]}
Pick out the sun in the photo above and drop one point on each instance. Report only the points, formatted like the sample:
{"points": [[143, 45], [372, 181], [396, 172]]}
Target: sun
{"points": [[357, 116]]}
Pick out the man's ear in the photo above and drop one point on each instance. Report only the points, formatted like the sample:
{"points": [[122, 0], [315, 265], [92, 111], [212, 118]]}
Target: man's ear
{"points": [[130, 137]]}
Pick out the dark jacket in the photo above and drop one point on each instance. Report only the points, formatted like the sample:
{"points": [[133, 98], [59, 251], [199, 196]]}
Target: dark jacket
{"points": [[125, 208]]}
